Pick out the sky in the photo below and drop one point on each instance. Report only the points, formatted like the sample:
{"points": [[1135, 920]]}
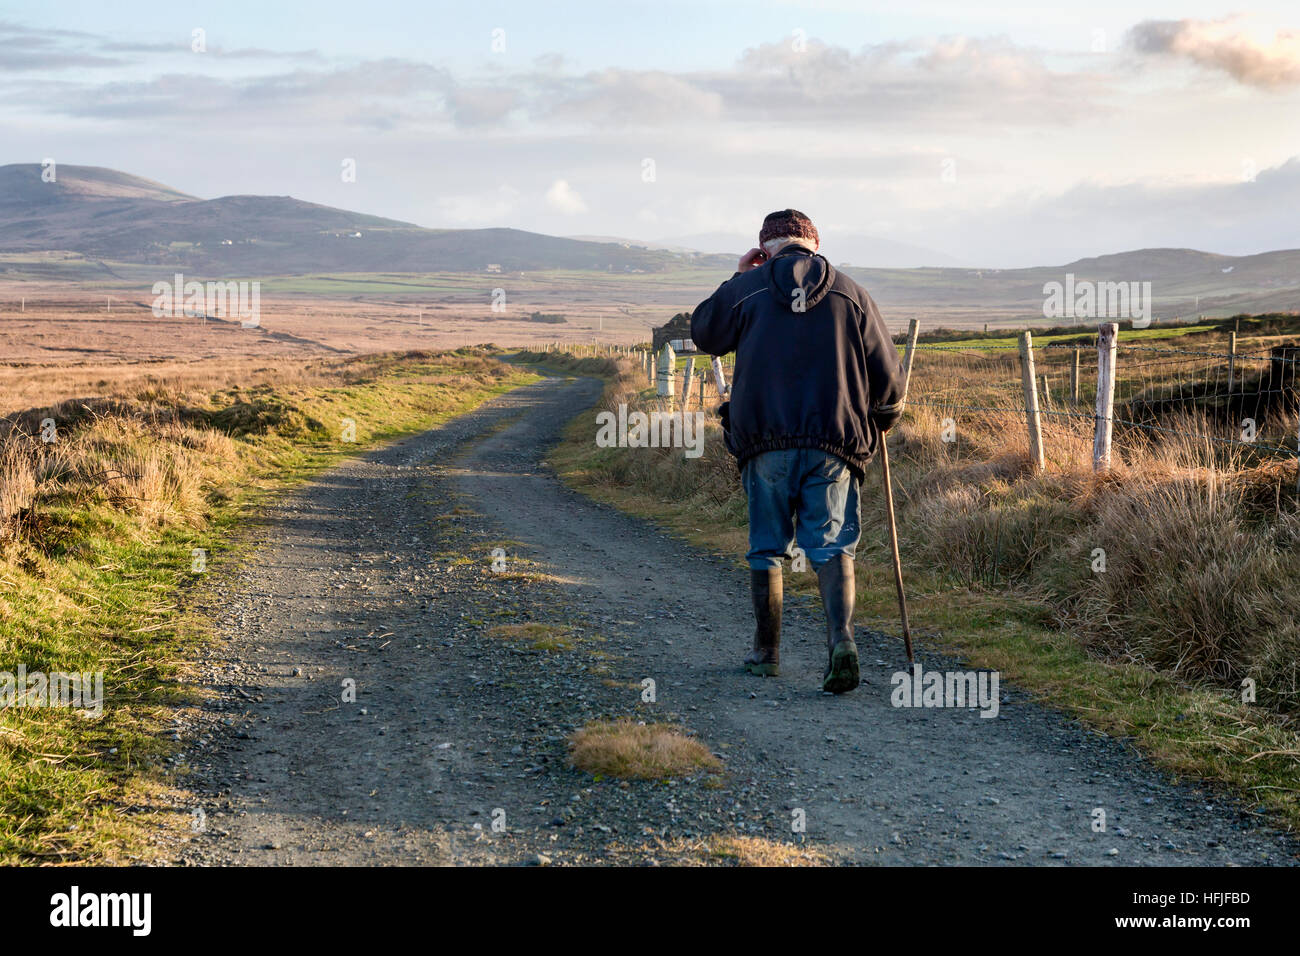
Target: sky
{"points": [[993, 136]]}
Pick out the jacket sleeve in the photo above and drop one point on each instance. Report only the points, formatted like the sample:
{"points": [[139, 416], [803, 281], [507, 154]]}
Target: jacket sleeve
{"points": [[884, 370], [714, 323]]}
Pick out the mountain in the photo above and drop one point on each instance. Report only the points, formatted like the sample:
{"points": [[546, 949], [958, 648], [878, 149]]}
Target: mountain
{"points": [[23, 184], [663, 247], [111, 215], [1183, 281]]}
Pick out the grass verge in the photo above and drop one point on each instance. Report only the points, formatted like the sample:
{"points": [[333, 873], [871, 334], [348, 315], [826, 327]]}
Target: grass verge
{"points": [[106, 530]]}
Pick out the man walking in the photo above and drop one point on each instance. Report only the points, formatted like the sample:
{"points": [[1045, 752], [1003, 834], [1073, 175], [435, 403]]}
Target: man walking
{"points": [[817, 383]]}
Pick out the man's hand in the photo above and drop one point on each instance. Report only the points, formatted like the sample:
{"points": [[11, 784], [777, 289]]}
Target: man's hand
{"points": [[751, 259]]}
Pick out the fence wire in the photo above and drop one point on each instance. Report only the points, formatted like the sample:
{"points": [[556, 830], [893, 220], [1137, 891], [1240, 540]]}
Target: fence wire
{"points": [[1246, 399]]}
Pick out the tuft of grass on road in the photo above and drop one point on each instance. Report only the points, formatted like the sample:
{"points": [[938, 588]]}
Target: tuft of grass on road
{"points": [[725, 849], [542, 637], [97, 554], [628, 749]]}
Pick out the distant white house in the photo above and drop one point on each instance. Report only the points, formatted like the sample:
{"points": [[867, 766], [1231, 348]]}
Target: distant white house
{"points": [[356, 235], [494, 267]]}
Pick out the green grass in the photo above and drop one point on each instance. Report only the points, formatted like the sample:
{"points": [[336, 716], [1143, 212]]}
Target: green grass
{"points": [[97, 585], [991, 342]]}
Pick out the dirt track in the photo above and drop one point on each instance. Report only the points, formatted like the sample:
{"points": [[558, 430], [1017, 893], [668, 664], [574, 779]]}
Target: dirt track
{"points": [[380, 572]]}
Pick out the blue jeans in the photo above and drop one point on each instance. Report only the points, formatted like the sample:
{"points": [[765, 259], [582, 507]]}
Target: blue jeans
{"points": [[803, 495]]}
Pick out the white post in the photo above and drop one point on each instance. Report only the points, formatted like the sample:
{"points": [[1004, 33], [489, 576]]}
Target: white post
{"points": [[667, 372], [1232, 359], [686, 381], [913, 330], [1028, 379], [1107, 348], [720, 379]]}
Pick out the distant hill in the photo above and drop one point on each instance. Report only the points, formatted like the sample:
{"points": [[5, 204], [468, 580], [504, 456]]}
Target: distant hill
{"points": [[1183, 281], [857, 249], [643, 244], [21, 184], [107, 214]]}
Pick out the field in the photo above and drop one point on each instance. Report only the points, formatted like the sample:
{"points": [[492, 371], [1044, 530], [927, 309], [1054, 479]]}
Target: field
{"points": [[172, 428], [70, 325]]}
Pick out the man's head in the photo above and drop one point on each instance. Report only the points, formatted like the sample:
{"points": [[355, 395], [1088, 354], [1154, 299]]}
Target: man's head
{"points": [[786, 226]]}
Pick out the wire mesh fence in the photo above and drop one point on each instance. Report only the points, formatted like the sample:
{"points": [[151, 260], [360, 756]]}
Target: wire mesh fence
{"points": [[1245, 399]]}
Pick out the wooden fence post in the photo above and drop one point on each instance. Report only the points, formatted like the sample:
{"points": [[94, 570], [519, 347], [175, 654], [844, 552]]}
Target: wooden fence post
{"points": [[667, 372], [1107, 348], [686, 381], [1232, 359], [1028, 379], [1074, 379], [913, 330], [1047, 394]]}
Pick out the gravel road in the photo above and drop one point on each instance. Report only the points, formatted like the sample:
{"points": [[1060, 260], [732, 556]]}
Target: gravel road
{"points": [[453, 751]]}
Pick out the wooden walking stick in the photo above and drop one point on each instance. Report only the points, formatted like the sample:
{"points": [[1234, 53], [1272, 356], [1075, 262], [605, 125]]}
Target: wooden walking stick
{"points": [[893, 544]]}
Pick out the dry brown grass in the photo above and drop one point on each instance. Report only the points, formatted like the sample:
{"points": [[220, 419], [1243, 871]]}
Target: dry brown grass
{"points": [[727, 850], [628, 749], [1199, 543], [163, 472]]}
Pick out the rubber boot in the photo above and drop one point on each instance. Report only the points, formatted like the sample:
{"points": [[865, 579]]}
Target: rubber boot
{"points": [[765, 586], [835, 579]]}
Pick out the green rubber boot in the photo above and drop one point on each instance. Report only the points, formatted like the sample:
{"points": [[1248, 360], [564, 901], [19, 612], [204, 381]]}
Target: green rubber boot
{"points": [[835, 580], [765, 586]]}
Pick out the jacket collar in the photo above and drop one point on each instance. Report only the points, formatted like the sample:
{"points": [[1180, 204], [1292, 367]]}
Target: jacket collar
{"points": [[793, 249]]}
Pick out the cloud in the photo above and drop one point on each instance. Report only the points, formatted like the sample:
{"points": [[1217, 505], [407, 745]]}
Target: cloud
{"points": [[15, 59], [473, 106], [383, 94], [628, 97], [23, 49], [1235, 218], [493, 206], [10, 28], [1224, 45], [31, 49], [959, 82], [962, 81], [564, 198], [183, 46]]}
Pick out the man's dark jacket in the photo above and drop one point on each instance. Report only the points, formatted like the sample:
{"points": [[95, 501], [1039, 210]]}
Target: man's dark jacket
{"points": [[815, 366]]}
